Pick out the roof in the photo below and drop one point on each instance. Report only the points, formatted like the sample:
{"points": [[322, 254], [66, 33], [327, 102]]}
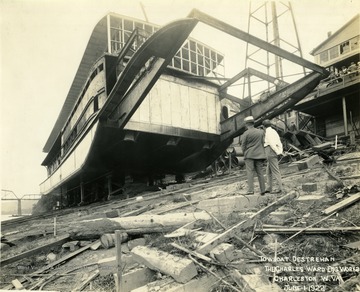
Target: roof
{"points": [[333, 35]]}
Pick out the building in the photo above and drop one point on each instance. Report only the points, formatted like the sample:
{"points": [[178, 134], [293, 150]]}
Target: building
{"points": [[335, 103]]}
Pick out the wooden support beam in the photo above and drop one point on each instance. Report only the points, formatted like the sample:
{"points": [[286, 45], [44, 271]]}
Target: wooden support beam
{"points": [[205, 248], [146, 223], [343, 204], [118, 237], [181, 269]]}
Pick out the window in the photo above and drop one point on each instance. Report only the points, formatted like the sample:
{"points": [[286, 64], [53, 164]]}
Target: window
{"points": [[334, 52], [324, 57], [344, 47], [193, 57], [354, 43]]}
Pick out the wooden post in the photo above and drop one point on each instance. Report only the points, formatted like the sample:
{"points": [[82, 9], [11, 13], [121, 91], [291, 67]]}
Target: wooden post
{"points": [[82, 194], [109, 185], [345, 116], [19, 207], [55, 231], [118, 259], [230, 162]]}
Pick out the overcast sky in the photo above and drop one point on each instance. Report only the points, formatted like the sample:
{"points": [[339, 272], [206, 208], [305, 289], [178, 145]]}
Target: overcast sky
{"points": [[42, 42]]}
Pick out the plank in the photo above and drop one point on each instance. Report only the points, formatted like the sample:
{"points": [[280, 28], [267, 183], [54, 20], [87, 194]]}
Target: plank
{"points": [[194, 253], [231, 232], [313, 230], [84, 283], [34, 251], [343, 204]]}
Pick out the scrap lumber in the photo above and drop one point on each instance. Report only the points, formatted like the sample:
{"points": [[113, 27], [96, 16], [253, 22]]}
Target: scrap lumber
{"points": [[213, 274], [138, 211], [34, 251], [86, 282], [136, 278], [254, 283], [302, 230], [108, 265], [224, 253], [243, 225], [203, 283], [17, 284], [354, 245], [194, 253], [53, 264], [349, 285], [147, 223], [314, 230], [343, 204], [181, 269], [333, 176], [356, 176]]}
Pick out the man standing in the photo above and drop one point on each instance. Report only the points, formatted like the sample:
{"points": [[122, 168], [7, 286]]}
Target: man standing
{"points": [[252, 144], [273, 148]]}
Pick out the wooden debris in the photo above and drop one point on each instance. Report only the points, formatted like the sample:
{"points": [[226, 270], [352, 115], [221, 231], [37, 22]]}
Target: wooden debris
{"points": [[182, 230], [182, 270], [351, 177], [138, 211], [140, 224], [86, 282], [71, 245], [354, 245], [292, 230], [136, 242], [343, 204], [194, 253], [254, 283], [302, 230], [17, 284], [108, 240], [118, 239], [214, 274], [245, 224], [108, 265], [136, 278], [53, 264], [34, 251], [96, 245], [224, 253], [333, 176]]}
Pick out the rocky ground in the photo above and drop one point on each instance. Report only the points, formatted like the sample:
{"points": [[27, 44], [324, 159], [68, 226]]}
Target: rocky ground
{"points": [[262, 250]]}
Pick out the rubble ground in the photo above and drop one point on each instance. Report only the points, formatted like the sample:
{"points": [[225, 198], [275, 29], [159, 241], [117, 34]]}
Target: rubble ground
{"points": [[306, 238]]}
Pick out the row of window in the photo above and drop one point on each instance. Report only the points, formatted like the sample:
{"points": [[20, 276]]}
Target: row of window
{"points": [[81, 102], [339, 50], [193, 57]]}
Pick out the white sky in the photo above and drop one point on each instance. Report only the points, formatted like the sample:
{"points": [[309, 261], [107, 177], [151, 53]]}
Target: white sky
{"points": [[42, 42]]}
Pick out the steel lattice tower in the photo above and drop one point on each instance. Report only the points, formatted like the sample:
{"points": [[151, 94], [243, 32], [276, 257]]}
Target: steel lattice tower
{"points": [[273, 22]]}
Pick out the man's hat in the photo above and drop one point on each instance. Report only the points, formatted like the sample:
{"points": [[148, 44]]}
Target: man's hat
{"points": [[267, 123], [249, 119]]}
